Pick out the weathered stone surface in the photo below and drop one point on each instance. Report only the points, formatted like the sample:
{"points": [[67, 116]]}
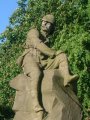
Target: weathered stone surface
{"points": [[60, 102], [19, 82]]}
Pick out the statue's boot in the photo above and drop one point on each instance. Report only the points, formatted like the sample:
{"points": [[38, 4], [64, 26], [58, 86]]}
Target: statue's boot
{"points": [[70, 78], [39, 111], [36, 106], [34, 90], [64, 70], [40, 115]]}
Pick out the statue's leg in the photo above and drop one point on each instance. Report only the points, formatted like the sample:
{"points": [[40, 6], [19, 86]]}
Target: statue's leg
{"points": [[61, 62], [32, 70], [64, 69]]}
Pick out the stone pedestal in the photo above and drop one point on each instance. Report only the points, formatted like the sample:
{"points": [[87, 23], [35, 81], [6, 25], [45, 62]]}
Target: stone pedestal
{"points": [[60, 102]]}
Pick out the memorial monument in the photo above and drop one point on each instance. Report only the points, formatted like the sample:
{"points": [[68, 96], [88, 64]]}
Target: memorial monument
{"points": [[43, 89]]}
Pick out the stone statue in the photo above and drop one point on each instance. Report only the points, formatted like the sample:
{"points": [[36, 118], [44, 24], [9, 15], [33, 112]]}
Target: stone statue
{"points": [[36, 58]]}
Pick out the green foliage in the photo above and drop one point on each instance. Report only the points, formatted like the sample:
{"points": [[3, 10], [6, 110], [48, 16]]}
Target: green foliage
{"points": [[72, 35]]}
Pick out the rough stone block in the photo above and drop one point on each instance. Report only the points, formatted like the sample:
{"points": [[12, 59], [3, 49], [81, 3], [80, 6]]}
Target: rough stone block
{"points": [[60, 102]]}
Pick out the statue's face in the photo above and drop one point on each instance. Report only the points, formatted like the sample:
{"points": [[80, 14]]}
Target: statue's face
{"points": [[46, 26]]}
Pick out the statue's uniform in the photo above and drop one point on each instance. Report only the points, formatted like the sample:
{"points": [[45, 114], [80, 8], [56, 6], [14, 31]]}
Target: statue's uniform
{"points": [[37, 56], [32, 57]]}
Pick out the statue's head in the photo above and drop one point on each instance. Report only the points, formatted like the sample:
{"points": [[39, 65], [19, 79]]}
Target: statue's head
{"points": [[47, 23], [49, 18]]}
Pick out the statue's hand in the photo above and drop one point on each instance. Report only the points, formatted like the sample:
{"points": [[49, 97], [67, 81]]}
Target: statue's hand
{"points": [[53, 55], [58, 52]]}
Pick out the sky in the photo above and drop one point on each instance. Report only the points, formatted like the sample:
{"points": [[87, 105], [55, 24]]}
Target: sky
{"points": [[7, 7]]}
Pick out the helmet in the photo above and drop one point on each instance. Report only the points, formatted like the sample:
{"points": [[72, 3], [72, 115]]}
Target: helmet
{"points": [[49, 18]]}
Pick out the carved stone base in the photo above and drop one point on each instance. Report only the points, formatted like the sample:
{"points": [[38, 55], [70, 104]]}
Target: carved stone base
{"points": [[60, 102]]}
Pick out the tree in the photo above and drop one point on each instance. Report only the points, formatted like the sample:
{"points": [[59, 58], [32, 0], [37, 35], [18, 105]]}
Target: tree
{"points": [[71, 35]]}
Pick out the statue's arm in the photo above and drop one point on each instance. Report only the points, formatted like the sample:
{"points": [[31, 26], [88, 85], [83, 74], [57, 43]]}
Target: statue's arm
{"points": [[45, 49], [35, 41]]}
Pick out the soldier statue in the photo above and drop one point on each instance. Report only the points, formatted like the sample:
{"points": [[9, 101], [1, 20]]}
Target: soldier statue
{"points": [[38, 56]]}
